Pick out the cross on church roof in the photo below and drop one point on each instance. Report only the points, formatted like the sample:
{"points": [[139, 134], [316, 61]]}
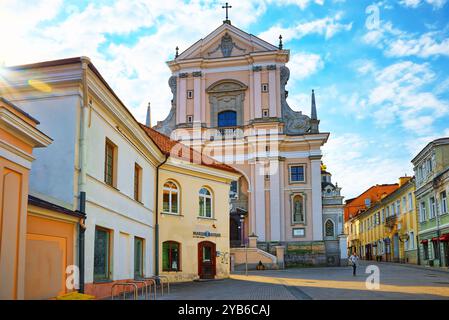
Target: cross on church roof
{"points": [[227, 6]]}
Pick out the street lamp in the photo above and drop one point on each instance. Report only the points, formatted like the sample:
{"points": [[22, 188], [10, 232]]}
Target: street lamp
{"points": [[242, 230]]}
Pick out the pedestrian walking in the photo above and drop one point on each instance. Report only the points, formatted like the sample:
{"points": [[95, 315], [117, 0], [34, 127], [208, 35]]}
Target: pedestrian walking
{"points": [[354, 260]]}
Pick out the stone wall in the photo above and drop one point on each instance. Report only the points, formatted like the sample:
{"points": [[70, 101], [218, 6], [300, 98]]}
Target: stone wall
{"points": [[299, 253]]}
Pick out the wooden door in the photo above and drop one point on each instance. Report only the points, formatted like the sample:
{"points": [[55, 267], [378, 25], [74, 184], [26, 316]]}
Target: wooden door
{"points": [[206, 260]]}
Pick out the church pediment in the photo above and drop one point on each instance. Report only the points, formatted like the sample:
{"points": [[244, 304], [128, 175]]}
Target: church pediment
{"points": [[226, 41]]}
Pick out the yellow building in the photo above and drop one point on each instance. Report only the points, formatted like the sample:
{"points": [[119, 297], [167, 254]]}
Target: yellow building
{"points": [[387, 230], [192, 213]]}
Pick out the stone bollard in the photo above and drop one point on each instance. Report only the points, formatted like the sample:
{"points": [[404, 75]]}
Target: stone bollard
{"points": [[280, 250]]}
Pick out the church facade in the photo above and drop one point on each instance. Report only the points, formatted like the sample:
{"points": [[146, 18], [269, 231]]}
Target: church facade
{"points": [[230, 103]]}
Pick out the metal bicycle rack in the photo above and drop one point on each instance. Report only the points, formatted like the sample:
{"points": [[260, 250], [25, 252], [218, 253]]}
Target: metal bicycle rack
{"points": [[133, 285], [144, 287], [152, 283], [161, 282]]}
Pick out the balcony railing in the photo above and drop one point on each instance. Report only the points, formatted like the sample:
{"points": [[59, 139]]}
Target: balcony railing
{"points": [[228, 133], [391, 221]]}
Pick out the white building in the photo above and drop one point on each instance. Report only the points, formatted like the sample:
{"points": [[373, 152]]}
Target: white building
{"points": [[101, 162]]}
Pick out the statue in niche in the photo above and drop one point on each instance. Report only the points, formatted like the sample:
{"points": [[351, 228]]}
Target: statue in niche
{"points": [[169, 124], [295, 121]]}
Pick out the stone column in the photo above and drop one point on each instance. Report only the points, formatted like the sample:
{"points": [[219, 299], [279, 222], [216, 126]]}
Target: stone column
{"points": [[317, 215], [197, 97], [259, 194], [275, 199], [182, 99], [272, 90], [257, 93]]}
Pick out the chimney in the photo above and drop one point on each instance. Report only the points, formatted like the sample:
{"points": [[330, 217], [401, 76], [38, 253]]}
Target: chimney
{"points": [[148, 121], [403, 180]]}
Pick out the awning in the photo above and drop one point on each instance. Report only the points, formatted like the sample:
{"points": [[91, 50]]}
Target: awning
{"points": [[424, 241], [445, 237], [435, 239]]}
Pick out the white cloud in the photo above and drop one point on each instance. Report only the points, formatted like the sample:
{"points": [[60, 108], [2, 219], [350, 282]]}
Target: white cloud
{"points": [[136, 70], [436, 4], [397, 43], [303, 64], [399, 92], [327, 27], [300, 3]]}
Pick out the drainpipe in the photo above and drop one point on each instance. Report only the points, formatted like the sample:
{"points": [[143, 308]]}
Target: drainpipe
{"points": [[83, 171], [156, 227]]}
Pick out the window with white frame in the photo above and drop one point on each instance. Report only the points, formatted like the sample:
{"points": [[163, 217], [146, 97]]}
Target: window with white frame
{"points": [[170, 198], [297, 173], [432, 207], [205, 202], [411, 240], [404, 204], [264, 87], [383, 215], [410, 202], [189, 94], [443, 200], [398, 207], [422, 212]]}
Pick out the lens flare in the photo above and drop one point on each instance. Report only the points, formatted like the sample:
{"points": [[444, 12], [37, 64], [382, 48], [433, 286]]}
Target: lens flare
{"points": [[39, 85]]}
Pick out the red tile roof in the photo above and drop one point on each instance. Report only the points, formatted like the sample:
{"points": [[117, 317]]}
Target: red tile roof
{"points": [[176, 149], [375, 193]]}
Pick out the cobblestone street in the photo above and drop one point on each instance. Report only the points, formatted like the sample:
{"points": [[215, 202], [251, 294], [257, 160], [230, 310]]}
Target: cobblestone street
{"points": [[396, 282]]}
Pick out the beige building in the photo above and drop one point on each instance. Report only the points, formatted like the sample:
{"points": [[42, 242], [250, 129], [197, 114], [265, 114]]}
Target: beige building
{"points": [[192, 214]]}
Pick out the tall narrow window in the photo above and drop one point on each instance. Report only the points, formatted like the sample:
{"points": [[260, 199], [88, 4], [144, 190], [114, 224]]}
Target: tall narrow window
{"points": [[138, 257], [432, 207], [170, 198], [329, 227], [137, 182], [234, 190], [109, 163], [205, 202], [422, 212], [298, 215], [171, 256], [410, 202], [443, 202], [101, 254]]}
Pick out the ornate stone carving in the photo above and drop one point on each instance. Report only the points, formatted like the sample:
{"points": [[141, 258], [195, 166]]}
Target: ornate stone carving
{"points": [[196, 73], [169, 124], [295, 122], [183, 75], [271, 67], [257, 68], [226, 46]]}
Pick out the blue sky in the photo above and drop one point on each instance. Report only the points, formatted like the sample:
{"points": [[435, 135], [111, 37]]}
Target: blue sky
{"points": [[382, 86]]}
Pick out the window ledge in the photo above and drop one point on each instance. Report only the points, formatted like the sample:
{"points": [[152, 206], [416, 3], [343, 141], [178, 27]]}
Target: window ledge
{"points": [[172, 214], [103, 281], [206, 218]]}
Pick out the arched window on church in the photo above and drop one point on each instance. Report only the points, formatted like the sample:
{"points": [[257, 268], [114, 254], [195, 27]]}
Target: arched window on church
{"points": [[227, 119], [298, 215], [329, 227]]}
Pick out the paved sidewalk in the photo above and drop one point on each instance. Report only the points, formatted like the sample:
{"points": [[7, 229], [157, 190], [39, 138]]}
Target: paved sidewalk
{"points": [[397, 281]]}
